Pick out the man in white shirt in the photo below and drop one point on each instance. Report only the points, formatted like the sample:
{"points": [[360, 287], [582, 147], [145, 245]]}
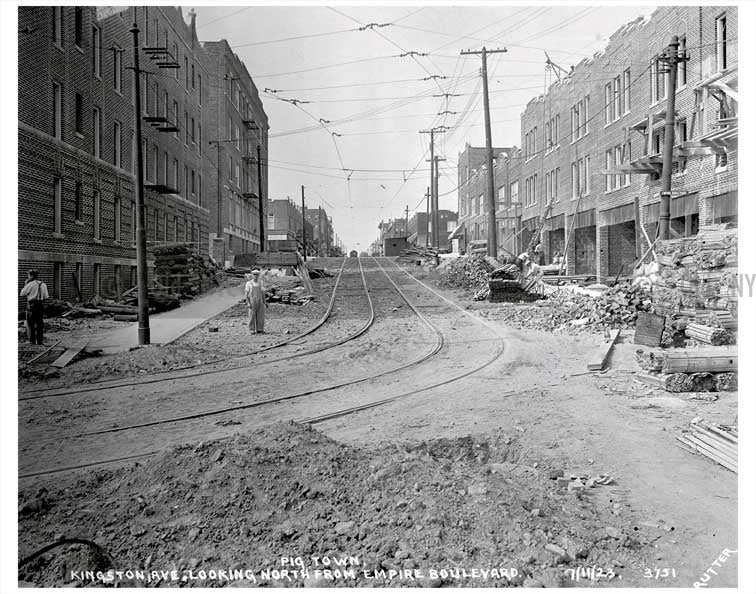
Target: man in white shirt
{"points": [[35, 292]]}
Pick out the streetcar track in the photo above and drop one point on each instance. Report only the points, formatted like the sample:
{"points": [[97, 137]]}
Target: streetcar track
{"points": [[58, 392], [326, 416]]}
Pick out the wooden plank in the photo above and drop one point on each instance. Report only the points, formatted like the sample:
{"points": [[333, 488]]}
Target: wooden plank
{"points": [[648, 329], [70, 353], [42, 354], [598, 359]]}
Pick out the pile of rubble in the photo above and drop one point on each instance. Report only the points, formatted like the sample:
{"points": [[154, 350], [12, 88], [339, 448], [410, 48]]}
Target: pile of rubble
{"points": [[470, 273], [697, 280], [616, 307], [243, 501]]}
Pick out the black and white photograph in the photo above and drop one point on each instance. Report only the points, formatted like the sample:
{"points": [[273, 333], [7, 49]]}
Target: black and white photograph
{"points": [[377, 295]]}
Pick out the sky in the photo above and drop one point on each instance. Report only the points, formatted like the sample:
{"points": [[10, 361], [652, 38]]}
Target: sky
{"points": [[354, 139]]}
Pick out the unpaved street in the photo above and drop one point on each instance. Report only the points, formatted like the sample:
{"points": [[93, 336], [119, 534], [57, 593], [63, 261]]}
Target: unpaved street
{"points": [[402, 484]]}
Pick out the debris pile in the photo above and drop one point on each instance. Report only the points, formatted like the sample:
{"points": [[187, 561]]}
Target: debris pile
{"points": [[617, 307], [470, 273], [697, 281], [238, 502], [178, 268]]}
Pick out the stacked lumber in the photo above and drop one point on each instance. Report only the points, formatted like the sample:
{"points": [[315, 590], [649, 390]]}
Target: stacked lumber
{"points": [[717, 442], [178, 268], [689, 370], [709, 334], [697, 280]]}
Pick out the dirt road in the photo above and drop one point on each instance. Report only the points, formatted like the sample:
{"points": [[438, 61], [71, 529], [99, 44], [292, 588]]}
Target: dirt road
{"points": [[675, 511]]}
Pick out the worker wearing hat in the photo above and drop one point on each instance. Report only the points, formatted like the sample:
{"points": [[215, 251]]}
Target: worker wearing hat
{"points": [[254, 295]]}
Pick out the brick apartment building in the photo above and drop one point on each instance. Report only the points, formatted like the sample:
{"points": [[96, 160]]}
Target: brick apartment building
{"points": [[322, 232], [285, 223], [420, 229], [593, 144], [240, 125], [76, 143], [472, 191]]}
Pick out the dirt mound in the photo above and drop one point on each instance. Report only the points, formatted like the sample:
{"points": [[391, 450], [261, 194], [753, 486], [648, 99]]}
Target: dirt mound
{"points": [[437, 511]]}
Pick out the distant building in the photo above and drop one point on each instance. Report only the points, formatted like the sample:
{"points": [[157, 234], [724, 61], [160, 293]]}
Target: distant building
{"points": [[421, 229], [322, 232], [285, 223]]}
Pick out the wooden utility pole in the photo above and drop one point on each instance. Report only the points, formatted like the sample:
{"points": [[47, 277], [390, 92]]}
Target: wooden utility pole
{"points": [[670, 59], [489, 147], [304, 227], [406, 219], [434, 188], [143, 315], [427, 214], [260, 199]]}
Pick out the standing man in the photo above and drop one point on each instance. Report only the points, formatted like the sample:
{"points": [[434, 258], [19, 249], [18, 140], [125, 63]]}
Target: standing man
{"points": [[254, 295], [35, 292]]}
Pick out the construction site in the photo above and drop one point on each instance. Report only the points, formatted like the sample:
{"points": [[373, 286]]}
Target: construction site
{"points": [[537, 389]]}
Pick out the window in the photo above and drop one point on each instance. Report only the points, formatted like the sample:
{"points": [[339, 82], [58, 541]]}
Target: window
{"points": [[133, 275], [617, 160], [176, 56], [720, 38], [79, 114], [501, 194], [193, 136], [165, 105], [97, 278], [608, 103], [193, 78], [96, 131], [117, 69], [514, 192], [555, 184], [96, 216], [117, 144], [176, 175], [79, 274], [133, 221], [175, 117], [583, 118], [658, 81], [626, 90], [199, 138], [57, 25], [682, 65], [57, 288], [165, 226], [186, 72], [155, 159], [608, 165], [117, 275], [230, 168], [618, 96], [79, 26], [575, 179], [199, 88], [720, 161], [77, 201], [175, 228], [57, 111], [236, 174], [156, 219], [186, 181], [587, 175], [165, 167], [186, 128], [117, 218], [199, 189], [96, 49], [57, 205], [194, 187]]}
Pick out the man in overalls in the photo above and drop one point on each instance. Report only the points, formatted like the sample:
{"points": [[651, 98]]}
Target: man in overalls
{"points": [[254, 295], [35, 292]]}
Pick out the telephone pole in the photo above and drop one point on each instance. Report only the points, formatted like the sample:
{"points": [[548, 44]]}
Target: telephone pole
{"points": [[434, 187], [670, 58], [406, 219], [143, 315], [427, 214], [492, 245]]}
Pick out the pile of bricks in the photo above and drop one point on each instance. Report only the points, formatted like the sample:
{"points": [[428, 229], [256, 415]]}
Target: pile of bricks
{"points": [[471, 273], [617, 307], [697, 281]]}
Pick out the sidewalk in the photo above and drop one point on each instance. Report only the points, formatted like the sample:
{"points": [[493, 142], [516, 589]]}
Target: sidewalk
{"points": [[170, 325]]}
